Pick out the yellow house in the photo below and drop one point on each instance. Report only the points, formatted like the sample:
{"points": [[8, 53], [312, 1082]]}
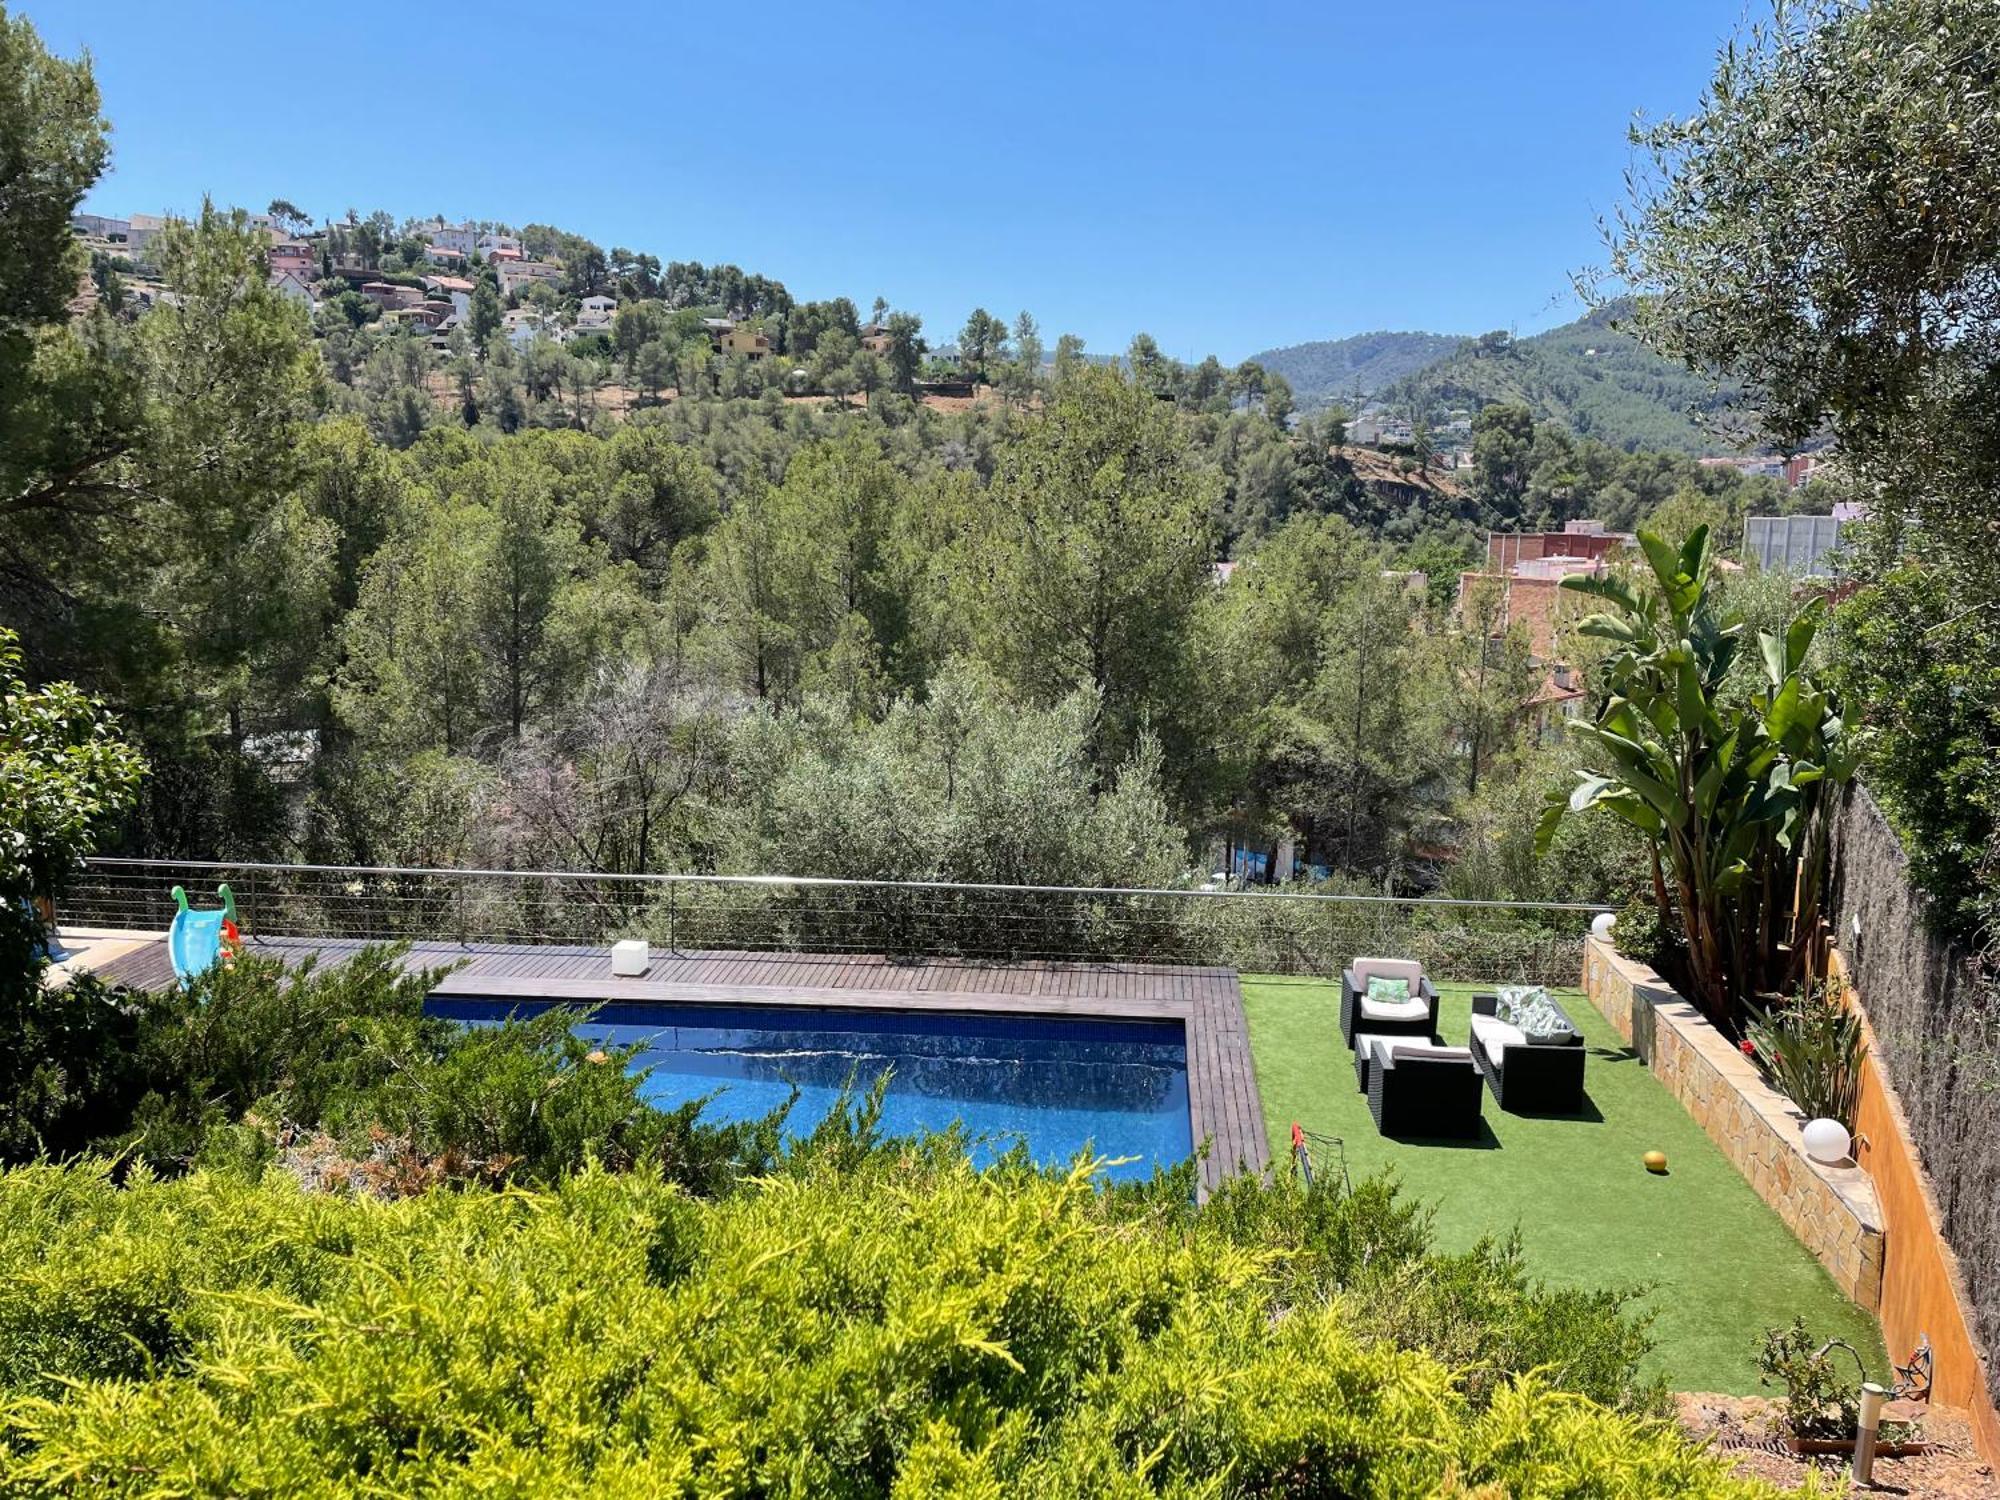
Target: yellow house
{"points": [[731, 337]]}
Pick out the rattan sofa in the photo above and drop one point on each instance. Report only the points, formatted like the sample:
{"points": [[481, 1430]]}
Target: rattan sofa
{"points": [[1538, 1077]]}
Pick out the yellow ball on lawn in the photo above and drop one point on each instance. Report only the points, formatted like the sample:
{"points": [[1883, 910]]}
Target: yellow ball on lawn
{"points": [[1656, 1161]]}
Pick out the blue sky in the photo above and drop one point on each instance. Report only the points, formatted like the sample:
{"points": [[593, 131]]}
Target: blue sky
{"points": [[1224, 176]]}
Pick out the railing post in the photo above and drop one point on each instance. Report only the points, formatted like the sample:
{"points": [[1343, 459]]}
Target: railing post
{"points": [[673, 906]]}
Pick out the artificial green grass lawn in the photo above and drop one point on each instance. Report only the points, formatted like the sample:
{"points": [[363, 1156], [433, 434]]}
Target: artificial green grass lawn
{"points": [[1722, 1266]]}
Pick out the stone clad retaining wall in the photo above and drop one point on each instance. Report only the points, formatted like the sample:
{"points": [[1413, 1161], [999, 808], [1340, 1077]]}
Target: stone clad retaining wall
{"points": [[1832, 1210]]}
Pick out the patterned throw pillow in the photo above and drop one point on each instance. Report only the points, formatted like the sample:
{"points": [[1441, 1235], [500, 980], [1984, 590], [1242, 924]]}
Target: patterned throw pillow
{"points": [[1530, 1008], [1389, 990]]}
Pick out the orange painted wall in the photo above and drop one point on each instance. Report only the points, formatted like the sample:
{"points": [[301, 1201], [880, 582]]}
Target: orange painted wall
{"points": [[1920, 1280]]}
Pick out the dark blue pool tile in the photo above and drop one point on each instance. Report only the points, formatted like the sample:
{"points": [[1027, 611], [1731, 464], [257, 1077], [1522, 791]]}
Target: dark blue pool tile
{"points": [[1060, 1084]]}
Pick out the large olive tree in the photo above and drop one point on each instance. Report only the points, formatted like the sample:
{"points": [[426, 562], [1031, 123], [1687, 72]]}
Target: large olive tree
{"points": [[1826, 227]]}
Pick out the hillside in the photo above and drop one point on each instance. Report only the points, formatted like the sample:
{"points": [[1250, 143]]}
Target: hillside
{"points": [[1329, 370], [1596, 381]]}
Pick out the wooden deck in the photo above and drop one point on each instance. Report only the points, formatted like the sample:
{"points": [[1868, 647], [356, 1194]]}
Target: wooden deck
{"points": [[1223, 1104]]}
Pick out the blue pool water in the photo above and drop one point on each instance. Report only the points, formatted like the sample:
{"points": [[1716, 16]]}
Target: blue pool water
{"points": [[1059, 1084]]}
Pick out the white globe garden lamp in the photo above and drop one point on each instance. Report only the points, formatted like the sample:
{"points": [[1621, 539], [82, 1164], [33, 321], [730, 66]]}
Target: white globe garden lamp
{"points": [[1827, 1141]]}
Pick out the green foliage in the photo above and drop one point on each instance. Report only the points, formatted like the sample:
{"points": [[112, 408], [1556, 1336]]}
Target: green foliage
{"points": [[1809, 1045], [64, 772], [1825, 227], [1332, 724], [53, 144], [895, 1324], [1585, 861], [68, 1062], [1918, 650], [1089, 557], [1822, 1399], [61, 398], [963, 786], [1640, 933], [1730, 796], [339, 1074]]}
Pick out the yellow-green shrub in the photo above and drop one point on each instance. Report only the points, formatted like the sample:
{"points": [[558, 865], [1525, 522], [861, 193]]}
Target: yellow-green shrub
{"points": [[902, 1325]]}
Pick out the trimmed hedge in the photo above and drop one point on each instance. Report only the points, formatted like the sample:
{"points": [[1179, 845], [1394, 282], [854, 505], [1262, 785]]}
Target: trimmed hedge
{"points": [[893, 1323]]}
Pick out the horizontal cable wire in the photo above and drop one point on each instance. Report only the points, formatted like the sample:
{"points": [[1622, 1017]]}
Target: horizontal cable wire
{"points": [[1256, 931]]}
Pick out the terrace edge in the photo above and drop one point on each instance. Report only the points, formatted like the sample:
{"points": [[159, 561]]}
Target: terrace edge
{"points": [[1832, 1210]]}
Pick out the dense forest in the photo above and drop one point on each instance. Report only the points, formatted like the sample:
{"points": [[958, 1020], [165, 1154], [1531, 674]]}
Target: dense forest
{"points": [[365, 595], [1593, 378], [1590, 377]]}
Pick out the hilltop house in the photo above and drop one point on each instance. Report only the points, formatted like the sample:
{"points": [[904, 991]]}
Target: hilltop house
{"points": [[595, 314], [515, 274], [292, 257], [97, 226], [294, 288], [140, 231], [387, 295], [727, 336], [453, 239], [454, 289], [523, 325]]}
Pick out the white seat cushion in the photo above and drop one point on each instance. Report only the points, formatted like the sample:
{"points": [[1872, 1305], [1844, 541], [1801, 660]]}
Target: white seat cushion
{"points": [[1411, 1009], [1496, 1036], [1383, 1051]]}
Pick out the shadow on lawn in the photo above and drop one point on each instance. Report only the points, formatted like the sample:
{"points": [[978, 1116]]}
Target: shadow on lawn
{"points": [[1486, 1140], [1586, 1113]]}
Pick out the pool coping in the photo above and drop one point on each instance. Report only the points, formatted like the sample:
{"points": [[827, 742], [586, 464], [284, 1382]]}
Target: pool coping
{"points": [[1224, 1108]]}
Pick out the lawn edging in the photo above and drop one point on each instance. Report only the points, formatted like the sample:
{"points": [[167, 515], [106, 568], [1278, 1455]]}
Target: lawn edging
{"points": [[1831, 1209]]}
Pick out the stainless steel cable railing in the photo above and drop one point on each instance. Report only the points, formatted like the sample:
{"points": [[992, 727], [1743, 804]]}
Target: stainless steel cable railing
{"points": [[1282, 932]]}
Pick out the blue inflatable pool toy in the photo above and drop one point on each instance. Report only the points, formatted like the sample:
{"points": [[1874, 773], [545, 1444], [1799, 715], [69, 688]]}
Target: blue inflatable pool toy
{"points": [[47, 943], [194, 941]]}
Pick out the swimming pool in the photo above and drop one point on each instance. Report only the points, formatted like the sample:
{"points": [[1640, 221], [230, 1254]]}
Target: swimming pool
{"points": [[1056, 1082]]}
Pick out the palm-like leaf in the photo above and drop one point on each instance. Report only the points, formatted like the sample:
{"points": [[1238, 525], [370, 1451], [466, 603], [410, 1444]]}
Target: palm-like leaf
{"points": [[1732, 796]]}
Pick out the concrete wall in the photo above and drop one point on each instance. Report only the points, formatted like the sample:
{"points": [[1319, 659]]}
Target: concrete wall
{"points": [[1832, 1210]]}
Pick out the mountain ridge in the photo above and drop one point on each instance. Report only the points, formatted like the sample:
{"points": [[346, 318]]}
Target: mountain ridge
{"points": [[1324, 371], [1588, 375], [1591, 377]]}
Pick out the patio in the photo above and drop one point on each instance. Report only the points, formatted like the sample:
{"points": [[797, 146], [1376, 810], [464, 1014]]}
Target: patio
{"points": [[1721, 1265]]}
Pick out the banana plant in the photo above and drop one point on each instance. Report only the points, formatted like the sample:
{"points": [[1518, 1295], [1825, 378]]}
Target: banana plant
{"points": [[1732, 797]]}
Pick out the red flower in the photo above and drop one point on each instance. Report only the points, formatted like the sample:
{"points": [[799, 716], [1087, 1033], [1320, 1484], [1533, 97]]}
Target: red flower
{"points": [[1749, 1047]]}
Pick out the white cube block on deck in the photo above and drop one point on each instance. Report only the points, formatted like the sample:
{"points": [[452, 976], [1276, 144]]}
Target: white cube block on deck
{"points": [[629, 957]]}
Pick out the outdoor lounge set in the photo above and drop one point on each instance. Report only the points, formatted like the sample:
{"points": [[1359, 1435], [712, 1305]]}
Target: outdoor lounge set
{"points": [[1522, 1046]]}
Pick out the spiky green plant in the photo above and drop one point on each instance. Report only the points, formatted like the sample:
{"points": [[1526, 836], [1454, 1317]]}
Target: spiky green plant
{"points": [[1810, 1047], [1732, 796]]}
